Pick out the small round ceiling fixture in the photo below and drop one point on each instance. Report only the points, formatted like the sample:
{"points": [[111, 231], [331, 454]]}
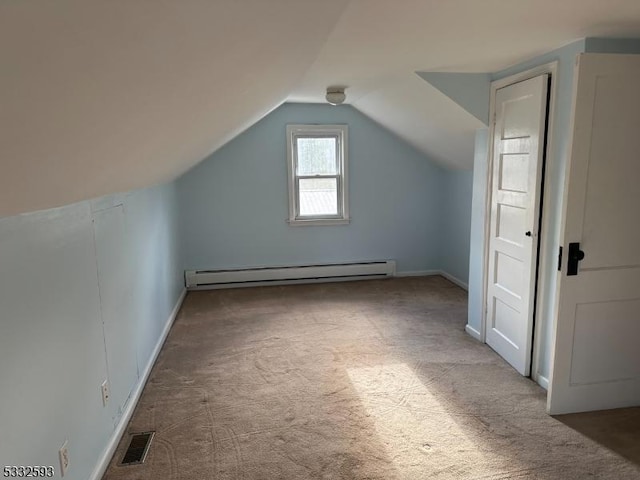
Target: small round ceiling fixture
{"points": [[335, 95]]}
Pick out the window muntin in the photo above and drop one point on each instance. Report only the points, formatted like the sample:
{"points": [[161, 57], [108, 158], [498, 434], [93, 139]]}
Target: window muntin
{"points": [[317, 174]]}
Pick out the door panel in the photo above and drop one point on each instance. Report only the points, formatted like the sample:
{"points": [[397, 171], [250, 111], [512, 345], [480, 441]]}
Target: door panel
{"points": [[514, 170], [512, 221], [515, 198], [596, 360], [594, 340], [509, 275], [610, 187], [502, 319]]}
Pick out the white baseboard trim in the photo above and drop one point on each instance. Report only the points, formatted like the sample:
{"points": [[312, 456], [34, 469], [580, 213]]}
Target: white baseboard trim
{"points": [[428, 273], [455, 280], [473, 332], [418, 273], [542, 381], [119, 431]]}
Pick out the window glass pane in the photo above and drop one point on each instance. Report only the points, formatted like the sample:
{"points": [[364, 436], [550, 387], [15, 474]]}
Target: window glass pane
{"points": [[316, 156], [318, 196]]}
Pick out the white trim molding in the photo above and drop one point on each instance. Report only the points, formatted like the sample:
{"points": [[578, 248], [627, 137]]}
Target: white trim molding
{"points": [[455, 280], [542, 381], [473, 332], [418, 273], [107, 454], [429, 273]]}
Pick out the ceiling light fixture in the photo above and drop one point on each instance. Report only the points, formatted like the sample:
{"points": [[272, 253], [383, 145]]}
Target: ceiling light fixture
{"points": [[335, 95]]}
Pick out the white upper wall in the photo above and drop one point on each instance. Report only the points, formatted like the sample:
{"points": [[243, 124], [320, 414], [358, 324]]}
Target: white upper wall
{"points": [[99, 97]]}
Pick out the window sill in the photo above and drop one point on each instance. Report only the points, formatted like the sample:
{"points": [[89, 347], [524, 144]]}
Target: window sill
{"points": [[318, 222]]}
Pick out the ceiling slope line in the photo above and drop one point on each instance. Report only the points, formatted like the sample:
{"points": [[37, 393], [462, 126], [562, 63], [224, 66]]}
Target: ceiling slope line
{"points": [[230, 135], [318, 55]]}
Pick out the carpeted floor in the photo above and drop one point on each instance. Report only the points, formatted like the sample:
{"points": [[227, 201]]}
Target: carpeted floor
{"points": [[361, 380]]}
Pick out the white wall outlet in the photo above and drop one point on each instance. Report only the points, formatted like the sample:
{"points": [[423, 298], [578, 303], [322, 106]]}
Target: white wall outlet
{"points": [[64, 458], [105, 392]]}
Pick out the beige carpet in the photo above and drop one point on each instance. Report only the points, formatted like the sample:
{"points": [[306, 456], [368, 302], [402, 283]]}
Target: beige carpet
{"points": [[361, 380]]}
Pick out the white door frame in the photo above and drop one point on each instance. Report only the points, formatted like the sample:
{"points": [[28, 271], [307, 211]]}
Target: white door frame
{"points": [[545, 243]]}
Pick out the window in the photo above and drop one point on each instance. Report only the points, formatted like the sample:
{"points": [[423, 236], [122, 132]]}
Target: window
{"points": [[317, 161]]}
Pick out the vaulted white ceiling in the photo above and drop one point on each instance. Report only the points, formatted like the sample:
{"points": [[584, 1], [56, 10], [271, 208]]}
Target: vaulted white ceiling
{"points": [[104, 96], [377, 45], [111, 95]]}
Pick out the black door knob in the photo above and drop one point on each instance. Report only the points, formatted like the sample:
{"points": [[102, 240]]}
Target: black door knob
{"points": [[528, 234], [575, 255]]}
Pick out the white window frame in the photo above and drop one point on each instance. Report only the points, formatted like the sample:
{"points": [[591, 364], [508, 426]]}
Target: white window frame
{"points": [[340, 133]]}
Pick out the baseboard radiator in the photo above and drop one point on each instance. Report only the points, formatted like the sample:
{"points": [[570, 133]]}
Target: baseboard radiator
{"points": [[249, 277]]}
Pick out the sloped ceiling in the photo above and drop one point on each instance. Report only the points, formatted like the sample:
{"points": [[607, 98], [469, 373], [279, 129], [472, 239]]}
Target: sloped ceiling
{"points": [[425, 118], [378, 44], [110, 95]]}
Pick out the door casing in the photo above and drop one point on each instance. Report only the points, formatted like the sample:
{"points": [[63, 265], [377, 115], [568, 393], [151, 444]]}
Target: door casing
{"points": [[546, 246]]}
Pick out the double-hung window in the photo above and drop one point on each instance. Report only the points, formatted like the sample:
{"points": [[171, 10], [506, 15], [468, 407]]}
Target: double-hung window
{"points": [[317, 166]]}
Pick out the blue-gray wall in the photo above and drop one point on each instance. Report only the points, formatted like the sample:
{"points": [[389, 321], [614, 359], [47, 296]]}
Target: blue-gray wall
{"points": [[457, 189], [234, 204], [86, 291]]}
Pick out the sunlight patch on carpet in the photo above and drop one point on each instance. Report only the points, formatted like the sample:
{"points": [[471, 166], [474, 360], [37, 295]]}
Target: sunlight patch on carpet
{"points": [[412, 423]]}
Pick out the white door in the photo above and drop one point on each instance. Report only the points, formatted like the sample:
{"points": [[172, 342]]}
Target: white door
{"points": [[518, 150], [596, 359]]}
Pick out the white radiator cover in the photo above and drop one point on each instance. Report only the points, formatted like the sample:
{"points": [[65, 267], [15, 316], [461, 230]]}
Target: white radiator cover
{"points": [[256, 276]]}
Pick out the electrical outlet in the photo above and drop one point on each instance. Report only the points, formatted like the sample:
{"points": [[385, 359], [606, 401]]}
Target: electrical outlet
{"points": [[105, 392], [64, 458]]}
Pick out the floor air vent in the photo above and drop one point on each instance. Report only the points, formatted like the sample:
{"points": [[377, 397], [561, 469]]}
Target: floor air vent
{"points": [[138, 448]]}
